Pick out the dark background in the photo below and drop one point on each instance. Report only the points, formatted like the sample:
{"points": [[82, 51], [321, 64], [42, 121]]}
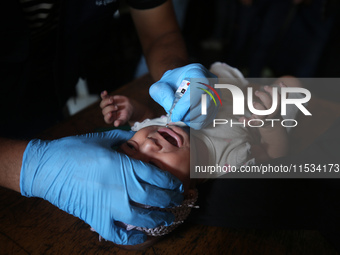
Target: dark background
{"points": [[266, 38]]}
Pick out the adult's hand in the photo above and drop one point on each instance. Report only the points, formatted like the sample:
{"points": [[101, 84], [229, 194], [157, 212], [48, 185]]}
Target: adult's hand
{"points": [[85, 177], [186, 110]]}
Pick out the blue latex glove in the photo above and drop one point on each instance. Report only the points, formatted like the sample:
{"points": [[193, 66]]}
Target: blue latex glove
{"points": [[163, 92], [85, 177]]}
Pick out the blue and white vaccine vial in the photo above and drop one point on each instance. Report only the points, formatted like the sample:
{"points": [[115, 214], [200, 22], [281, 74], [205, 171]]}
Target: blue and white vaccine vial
{"points": [[183, 87]]}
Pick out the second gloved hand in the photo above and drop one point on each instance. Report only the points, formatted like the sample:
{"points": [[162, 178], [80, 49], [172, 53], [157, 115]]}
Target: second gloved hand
{"points": [[188, 108], [85, 177]]}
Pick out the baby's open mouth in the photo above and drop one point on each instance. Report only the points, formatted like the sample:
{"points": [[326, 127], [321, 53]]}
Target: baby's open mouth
{"points": [[170, 136]]}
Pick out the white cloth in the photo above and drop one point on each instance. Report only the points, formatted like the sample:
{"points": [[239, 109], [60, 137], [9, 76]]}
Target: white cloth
{"points": [[161, 121]]}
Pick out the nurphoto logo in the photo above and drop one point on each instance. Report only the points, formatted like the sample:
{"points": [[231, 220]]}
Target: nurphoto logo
{"points": [[239, 108]]}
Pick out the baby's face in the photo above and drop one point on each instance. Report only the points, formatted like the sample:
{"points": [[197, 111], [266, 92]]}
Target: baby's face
{"points": [[166, 148]]}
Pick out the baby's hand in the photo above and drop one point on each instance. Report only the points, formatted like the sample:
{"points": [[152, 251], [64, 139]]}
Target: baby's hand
{"points": [[116, 109], [265, 103]]}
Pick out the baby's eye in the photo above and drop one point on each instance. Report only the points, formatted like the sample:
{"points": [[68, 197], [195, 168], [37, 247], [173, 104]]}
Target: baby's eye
{"points": [[131, 146], [152, 163], [156, 164]]}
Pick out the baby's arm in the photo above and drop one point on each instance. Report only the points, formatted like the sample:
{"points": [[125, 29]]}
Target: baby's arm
{"points": [[119, 110]]}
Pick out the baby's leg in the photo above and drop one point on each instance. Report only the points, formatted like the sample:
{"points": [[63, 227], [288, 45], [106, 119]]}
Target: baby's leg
{"points": [[291, 109], [289, 81]]}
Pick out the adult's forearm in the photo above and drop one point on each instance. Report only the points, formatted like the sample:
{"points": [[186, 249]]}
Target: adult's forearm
{"points": [[161, 38], [11, 153], [167, 53]]}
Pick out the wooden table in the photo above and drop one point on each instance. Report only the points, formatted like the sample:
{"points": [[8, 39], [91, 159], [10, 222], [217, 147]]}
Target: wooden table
{"points": [[34, 226]]}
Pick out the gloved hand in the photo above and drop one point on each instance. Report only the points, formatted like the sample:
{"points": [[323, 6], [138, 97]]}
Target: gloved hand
{"points": [[163, 92], [85, 177], [223, 70]]}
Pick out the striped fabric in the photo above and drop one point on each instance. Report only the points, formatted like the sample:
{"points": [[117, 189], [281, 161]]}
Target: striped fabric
{"points": [[41, 15]]}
